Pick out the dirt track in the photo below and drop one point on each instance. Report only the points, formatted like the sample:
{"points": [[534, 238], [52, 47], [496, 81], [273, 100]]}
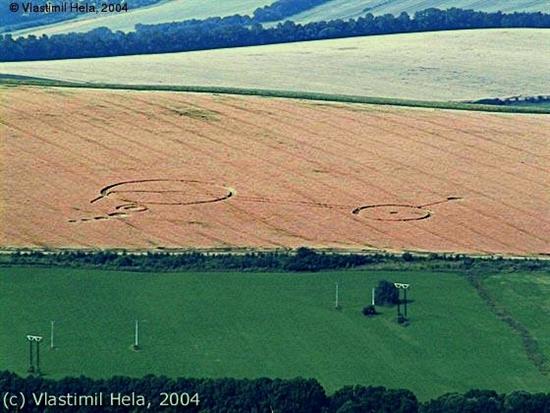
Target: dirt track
{"points": [[84, 168]]}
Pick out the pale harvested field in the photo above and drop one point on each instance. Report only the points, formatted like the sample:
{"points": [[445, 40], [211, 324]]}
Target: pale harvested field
{"points": [[256, 172], [449, 65]]}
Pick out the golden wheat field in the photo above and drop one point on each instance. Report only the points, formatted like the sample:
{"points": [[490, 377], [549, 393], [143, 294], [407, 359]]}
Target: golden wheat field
{"points": [[97, 168]]}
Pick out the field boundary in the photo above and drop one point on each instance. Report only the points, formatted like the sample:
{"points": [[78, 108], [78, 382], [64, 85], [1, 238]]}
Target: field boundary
{"points": [[15, 80], [246, 250], [530, 343], [299, 260]]}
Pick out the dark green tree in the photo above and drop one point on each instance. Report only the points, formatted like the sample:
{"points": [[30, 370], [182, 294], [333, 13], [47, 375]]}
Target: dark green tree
{"points": [[386, 293]]}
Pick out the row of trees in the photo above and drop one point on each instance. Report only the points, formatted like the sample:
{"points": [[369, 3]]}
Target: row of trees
{"points": [[238, 31], [282, 9], [485, 401], [271, 395], [22, 20], [301, 260], [516, 100]]}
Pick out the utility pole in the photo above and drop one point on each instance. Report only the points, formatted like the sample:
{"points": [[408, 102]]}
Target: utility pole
{"points": [[398, 308], [136, 336], [31, 361], [34, 339], [136, 346], [400, 286], [38, 356], [405, 300], [52, 345]]}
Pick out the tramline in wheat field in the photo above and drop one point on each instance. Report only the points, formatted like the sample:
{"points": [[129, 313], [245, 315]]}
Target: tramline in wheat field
{"points": [[160, 169]]}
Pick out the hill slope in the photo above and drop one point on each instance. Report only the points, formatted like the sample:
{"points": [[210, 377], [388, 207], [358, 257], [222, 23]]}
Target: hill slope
{"points": [[346, 9], [164, 12], [452, 65]]}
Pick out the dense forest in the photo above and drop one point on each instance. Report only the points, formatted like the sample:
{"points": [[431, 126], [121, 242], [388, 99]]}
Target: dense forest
{"points": [[236, 31], [267, 395], [22, 20], [300, 260]]}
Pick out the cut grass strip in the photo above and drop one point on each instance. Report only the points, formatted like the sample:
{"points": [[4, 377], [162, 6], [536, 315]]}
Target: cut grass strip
{"points": [[530, 344]]}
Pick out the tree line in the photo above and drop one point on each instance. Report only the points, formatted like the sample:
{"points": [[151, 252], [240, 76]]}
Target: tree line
{"points": [[516, 100], [237, 31], [282, 9], [304, 259], [268, 395], [301, 260]]}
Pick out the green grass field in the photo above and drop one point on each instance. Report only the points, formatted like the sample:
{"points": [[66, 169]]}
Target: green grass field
{"points": [[348, 9], [541, 105], [527, 299], [163, 12], [253, 325], [405, 66]]}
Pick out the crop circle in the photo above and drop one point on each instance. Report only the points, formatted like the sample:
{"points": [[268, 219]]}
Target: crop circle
{"points": [[176, 192], [392, 212]]}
